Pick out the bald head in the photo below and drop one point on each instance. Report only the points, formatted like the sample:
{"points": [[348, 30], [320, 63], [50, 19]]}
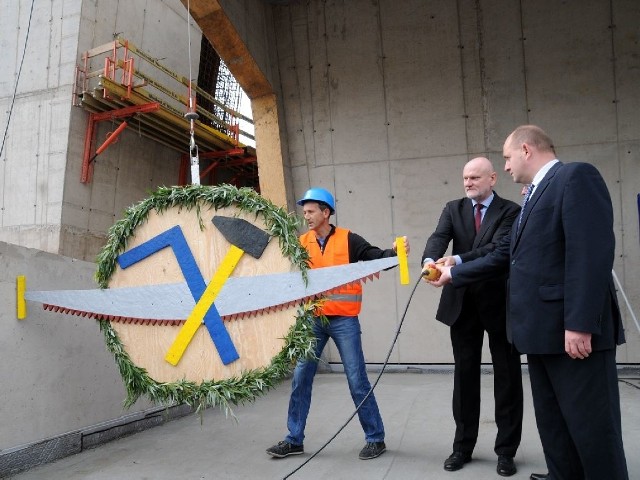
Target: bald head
{"points": [[479, 178], [481, 164], [526, 150], [534, 136]]}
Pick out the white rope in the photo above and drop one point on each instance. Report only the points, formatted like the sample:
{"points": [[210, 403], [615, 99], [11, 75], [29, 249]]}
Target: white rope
{"points": [[15, 88], [192, 115], [189, 39], [626, 300]]}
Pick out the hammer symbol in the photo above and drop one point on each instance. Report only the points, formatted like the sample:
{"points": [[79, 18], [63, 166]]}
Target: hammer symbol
{"points": [[244, 238]]}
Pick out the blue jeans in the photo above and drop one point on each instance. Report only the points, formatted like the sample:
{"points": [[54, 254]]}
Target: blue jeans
{"points": [[346, 334]]}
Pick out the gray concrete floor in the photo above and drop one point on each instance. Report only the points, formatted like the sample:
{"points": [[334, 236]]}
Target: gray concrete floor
{"points": [[415, 408]]}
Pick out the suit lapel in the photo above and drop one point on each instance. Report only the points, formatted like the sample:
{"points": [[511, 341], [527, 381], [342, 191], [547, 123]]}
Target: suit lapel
{"points": [[534, 200], [489, 218], [467, 218]]}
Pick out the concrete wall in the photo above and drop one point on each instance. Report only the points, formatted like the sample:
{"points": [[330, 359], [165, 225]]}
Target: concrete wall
{"points": [[385, 101], [253, 22], [57, 376], [35, 151], [44, 205]]}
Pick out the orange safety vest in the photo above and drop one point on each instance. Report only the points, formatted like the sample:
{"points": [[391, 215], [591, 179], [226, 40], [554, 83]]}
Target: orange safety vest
{"points": [[345, 300]]}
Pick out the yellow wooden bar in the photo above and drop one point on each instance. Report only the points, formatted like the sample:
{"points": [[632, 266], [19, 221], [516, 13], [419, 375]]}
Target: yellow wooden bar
{"points": [[403, 261], [190, 327], [21, 286]]}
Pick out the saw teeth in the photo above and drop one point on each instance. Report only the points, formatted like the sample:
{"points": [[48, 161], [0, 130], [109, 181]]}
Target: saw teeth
{"points": [[167, 322]]}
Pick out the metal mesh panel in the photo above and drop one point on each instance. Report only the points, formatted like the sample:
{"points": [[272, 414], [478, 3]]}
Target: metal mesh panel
{"points": [[215, 78]]}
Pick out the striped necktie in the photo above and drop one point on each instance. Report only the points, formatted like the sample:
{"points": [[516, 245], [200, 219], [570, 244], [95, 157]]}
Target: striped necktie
{"points": [[524, 202]]}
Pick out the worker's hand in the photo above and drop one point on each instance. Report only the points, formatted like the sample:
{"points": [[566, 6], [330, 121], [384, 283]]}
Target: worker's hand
{"points": [[449, 261], [445, 276], [577, 344], [406, 245]]}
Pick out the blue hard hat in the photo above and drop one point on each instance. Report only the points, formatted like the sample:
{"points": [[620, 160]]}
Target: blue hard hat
{"points": [[318, 195]]}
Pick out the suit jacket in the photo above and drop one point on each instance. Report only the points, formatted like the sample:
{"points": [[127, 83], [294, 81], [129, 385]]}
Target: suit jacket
{"points": [[456, 224], [559, 263]]}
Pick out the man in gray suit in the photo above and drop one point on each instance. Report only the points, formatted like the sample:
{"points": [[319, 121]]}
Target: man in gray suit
{"points": [[562, 306], [475, 224]]}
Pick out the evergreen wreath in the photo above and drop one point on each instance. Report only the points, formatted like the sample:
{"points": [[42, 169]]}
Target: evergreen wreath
{"points": [[299, 341]]}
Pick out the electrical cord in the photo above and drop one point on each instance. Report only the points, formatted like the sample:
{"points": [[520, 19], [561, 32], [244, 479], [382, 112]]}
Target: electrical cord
{"points": [[384, 365], [627, 381]]}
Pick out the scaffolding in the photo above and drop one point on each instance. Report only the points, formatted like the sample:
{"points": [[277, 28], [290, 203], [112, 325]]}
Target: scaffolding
{"points": [[119, 82], [214, 75]]}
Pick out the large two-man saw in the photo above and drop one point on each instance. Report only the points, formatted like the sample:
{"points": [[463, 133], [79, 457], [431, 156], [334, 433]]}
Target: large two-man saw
{"points": [[192, 303], [239, 297]]}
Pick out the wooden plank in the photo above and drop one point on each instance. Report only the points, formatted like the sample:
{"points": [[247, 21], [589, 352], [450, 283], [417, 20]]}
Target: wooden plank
{"points": [[101, 49]]}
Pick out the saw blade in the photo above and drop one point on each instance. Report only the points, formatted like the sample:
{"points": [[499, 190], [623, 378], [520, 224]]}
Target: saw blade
{"points": [[240, 296]]}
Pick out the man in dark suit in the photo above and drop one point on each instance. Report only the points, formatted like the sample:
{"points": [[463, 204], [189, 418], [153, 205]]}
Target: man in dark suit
{"points": [[476, 224], [562, 306]]}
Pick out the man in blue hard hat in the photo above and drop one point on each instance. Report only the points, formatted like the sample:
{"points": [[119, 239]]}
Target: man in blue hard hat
{"points": [[329, 245]]}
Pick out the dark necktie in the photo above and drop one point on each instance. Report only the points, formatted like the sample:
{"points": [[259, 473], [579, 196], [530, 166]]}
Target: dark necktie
{"points": [[478, 216], [524, 202]]}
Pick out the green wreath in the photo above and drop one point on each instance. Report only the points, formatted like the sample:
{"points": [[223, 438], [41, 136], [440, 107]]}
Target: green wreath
{"points": [[299, 341]]}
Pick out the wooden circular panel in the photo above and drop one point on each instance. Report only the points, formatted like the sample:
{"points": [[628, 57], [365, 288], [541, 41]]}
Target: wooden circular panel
{"points": [[257, 338]]}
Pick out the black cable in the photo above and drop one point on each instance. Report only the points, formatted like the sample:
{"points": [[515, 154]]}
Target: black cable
{"points": [[384, 365], [627, 382], [15, 90]]}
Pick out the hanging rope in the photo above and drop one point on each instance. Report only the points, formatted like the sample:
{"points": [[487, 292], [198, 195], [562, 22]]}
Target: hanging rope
{"points": [[626, 300], [192, 116], [15, 89]]}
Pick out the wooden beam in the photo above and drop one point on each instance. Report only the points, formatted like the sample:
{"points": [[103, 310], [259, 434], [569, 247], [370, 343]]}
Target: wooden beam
{"points": [[227, 42], [224, 38]]}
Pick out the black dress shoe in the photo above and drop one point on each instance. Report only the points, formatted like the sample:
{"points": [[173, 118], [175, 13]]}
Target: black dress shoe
{"points": [[506, 466], [456, 461], [539, 476]]}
